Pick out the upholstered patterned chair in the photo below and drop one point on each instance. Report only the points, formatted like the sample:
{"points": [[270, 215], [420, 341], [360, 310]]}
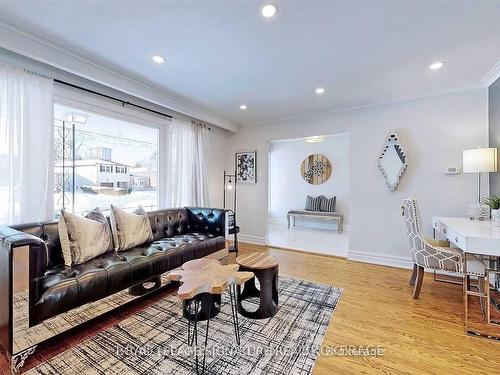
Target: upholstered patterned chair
{"points": [[434, 254]]}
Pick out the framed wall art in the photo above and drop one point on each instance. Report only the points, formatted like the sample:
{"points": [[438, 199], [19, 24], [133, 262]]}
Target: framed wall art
{"points": [[246, 167]]}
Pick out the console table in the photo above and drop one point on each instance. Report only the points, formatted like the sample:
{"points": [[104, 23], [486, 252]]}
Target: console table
{"points": [[338, 217], [482, 239]]}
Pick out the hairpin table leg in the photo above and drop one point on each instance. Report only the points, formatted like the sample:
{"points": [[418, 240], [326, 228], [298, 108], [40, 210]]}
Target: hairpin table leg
{"points": [[193, 317], [234, 312]]}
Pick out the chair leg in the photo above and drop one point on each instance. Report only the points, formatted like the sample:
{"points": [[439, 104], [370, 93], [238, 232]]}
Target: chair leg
{"points": [[413, 275], [418, 283]]}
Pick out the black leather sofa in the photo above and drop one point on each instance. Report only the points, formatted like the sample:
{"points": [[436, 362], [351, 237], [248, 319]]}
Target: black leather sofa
{"points": [[179, 235]]}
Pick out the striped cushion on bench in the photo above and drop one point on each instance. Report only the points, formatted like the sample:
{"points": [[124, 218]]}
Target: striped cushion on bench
{"points": [[328, 204], [313, 204]]}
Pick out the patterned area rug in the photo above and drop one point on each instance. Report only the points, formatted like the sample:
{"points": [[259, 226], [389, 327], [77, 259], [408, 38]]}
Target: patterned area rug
{"points": [[154, 341]]}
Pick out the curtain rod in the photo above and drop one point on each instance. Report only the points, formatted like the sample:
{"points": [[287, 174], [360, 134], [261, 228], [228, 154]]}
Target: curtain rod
{"points": [[113, 98]]}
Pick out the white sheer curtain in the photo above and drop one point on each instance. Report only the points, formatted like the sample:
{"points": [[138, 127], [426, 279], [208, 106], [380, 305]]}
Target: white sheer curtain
{"points": [[200, 166], [186, 175], [26, 146]]}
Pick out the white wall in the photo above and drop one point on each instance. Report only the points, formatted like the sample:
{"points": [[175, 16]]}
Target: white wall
{"points": [[287, 187], [433, 130]]}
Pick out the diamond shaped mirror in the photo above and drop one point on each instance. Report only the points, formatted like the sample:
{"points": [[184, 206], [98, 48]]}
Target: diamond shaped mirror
{"points": [[392, 160]]}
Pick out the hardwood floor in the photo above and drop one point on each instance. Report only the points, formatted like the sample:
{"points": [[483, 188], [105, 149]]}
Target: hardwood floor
{"points": [[423, 336]]}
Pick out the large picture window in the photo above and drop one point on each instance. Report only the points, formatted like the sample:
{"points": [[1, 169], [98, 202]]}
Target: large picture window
{"points": [[99, 161]]}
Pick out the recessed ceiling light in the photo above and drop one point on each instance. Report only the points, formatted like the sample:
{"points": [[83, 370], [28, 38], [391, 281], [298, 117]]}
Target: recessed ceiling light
{"points": [[158, 59], [243, 107], [320, 90], [435, 66], [269, 10], [315, 139]]}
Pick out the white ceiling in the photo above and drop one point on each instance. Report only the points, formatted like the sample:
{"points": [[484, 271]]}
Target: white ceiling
{"points": [[221, 54]]}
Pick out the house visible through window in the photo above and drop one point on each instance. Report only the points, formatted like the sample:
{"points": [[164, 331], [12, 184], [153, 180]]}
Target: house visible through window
{"points": [[106, 168], [103, 161]]}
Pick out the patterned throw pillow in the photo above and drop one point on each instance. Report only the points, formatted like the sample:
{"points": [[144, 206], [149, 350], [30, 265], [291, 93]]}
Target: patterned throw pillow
{"points": [[84, 238], [313, 203], [130, 229], [328, 204], [317, 203], [309, 203]]}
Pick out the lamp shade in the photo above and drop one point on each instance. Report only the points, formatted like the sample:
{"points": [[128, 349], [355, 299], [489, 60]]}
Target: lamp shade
{"points": [[480, 160]]}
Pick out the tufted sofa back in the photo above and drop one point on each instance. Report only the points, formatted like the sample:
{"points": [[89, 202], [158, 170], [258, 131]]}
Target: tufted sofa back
{"points": [[49, 257], [164, 223], [169, 222], [207, 220], [175, 221]]}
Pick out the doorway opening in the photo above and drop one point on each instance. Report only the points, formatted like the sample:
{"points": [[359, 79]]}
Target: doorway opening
{"points": [[315, 167]]}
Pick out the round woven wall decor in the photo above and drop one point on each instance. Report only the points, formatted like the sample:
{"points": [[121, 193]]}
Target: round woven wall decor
{"points": [[316, 169]]}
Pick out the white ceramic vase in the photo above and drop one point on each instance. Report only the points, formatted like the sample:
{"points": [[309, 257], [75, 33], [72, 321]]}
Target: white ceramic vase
{"points": [[495, 218]]}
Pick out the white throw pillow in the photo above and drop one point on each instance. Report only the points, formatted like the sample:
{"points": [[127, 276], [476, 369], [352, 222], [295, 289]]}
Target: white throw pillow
{"points": [[130, 229], [84, 238]]}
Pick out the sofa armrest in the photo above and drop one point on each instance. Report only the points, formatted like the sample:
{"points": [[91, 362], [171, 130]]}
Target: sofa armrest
{"points": [[207, 220], [10, 239]]}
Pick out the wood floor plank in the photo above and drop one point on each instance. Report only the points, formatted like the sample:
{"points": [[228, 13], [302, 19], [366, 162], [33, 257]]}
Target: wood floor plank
{"points": [[423, 336]]}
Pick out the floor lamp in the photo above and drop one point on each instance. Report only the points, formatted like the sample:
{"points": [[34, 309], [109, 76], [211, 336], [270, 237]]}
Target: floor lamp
{"points": [[480, 160], [230, 187]]}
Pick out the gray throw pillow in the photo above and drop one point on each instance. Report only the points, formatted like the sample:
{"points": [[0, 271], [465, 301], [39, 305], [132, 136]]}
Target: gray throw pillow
{"points": [[130, 229], [328, 204], [318, 202], [309, 203], [313, 204], [84, 238]]}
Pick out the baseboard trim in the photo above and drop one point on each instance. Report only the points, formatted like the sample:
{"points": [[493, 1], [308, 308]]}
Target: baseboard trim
{"points": [[255, 240], [278, 221], [311, 224], [381, 259], [306, 252]]}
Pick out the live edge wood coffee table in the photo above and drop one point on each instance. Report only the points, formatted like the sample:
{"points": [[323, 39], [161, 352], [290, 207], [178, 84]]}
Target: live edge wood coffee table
{"points": [[265, 268], [202, 283]]}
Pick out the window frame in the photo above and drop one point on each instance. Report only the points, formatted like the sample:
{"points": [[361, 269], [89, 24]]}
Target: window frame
{"points": [[101, 106], [105, 168]]}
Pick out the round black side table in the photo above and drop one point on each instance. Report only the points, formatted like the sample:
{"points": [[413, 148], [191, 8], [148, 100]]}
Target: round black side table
{"points": [[265, 269], [207, 307]]}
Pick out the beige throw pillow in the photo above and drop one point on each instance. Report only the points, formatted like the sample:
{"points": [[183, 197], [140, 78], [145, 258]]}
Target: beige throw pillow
{"points": [[130, 229], [84, 238]]}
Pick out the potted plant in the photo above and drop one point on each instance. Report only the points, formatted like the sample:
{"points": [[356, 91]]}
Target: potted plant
{"points": [[493, 203]]}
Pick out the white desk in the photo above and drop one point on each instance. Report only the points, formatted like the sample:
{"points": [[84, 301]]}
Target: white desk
{"points": [[476, 237], [479, 238]]}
